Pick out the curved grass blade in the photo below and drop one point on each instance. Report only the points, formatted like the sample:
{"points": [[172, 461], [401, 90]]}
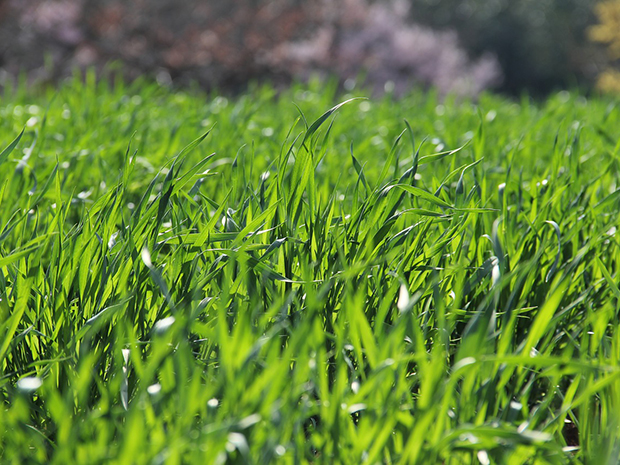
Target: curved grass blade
{"points": [[559, 252], [317, 124], [7, 151]]}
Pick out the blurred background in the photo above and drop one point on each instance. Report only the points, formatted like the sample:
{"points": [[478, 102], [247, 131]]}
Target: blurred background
{"points": [[456, 46]]}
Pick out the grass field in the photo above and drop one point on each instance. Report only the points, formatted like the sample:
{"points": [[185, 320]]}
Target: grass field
{"points": [[186, 278]]}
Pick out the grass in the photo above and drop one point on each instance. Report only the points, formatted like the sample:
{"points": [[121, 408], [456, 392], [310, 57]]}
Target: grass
{"points": [[190, 279]]}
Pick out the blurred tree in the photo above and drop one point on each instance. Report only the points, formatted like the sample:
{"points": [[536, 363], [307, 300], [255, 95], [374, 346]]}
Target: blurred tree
{"points": [[540, 44], [607, 31], [214, 42], [376, 40], [225, 44]]}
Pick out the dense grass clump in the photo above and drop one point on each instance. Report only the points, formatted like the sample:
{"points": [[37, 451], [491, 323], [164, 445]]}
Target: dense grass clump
{"points": [[383, 282]]}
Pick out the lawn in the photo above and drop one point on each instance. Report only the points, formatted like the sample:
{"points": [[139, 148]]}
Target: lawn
{"points": [[278, 278]]}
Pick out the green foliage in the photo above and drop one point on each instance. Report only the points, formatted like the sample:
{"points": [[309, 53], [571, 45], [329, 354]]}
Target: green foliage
{"points": [[540, 44], [322, 289]]}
